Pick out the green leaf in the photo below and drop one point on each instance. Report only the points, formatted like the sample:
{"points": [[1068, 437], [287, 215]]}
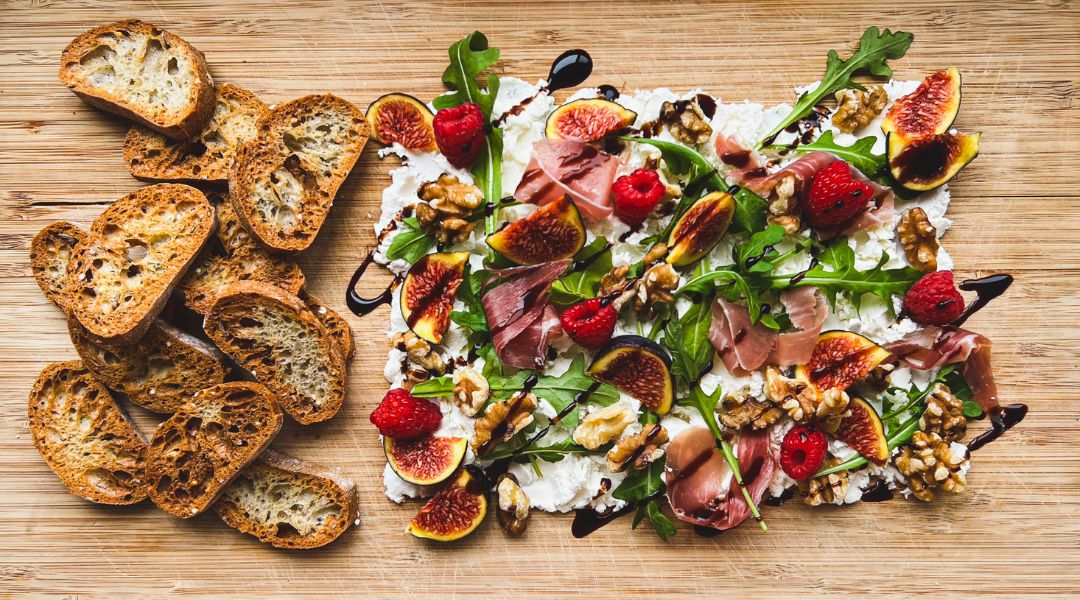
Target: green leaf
{"points": [[706, 406], [687, 339], [641, 484], [469, 58], [552, 453], [875, 48], [756, 247], [860, 154], [581, 285], [411, 243], [662, 525], [751, 212], [473, 319], [739, 287], [487, 174]]}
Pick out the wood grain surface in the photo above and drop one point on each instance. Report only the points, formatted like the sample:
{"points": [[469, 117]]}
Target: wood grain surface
{"points": [[1014, 533]]}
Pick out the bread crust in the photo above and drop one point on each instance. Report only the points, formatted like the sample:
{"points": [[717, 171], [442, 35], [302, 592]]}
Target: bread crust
{"points": [[261, 327], [335, 324], [196, 453], [79, 57], [104, 462], [246, 507], [50, 253]]}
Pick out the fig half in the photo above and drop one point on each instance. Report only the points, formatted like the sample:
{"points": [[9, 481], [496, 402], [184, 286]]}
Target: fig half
{"points": [[840, 359], [588, 120], [402, 119], [552, 232], [929, 110], [863, 432], [930, 161], [454, 512], [638, 367], [427, 294], [700, 228], [427, 460]]}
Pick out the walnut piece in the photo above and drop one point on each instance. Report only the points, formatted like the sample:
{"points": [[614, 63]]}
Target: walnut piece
{"points": [[422, 362], [613, 282], [638, 450], [832, 409], [856, 108], [783, 209], [740, 409], [601, 426], [512, 508], [657, 286], [471, 391], [686, 122], [826, 489], [944, 414], [502, 420], [447, 203], [919, 239], [928, 463], [799, 399]]}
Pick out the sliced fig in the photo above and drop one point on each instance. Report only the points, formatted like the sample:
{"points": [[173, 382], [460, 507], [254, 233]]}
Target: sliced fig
{"points": [[454, 512], [930, 161], [588, 120], [840, 359], [700, 228], [402, 119], [427, 460], [929, 110], [638, 367], [553, 232], [427, 294], [863, 432]]}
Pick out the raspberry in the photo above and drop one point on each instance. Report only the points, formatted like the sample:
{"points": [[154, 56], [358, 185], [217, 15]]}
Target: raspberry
{"points": [[835, 196], [802, 452], [590, 323], [637, 194], [934, 300], [459, 133], [400, 416]]}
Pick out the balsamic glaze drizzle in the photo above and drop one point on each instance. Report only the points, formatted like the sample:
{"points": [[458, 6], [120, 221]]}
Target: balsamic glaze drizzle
{"points": [[570, 69]]}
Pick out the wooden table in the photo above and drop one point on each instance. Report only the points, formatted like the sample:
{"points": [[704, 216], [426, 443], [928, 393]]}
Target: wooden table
{"points": [[1013, 533]]}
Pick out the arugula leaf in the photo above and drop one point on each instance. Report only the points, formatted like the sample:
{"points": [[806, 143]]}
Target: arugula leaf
{"points": [[860, 154], [740, 287], [751, 211], [411, 243], [685, 162], [474, 319], [552, 453], [687, 339], [581, 285], [960, 388], [469, 57], [875, 48], [487, 174], [641, 485], [756, 248], [662, 525]]}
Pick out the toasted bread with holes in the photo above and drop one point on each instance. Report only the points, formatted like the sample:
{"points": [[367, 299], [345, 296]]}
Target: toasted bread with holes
{"points": [[285, 179], [208, 441], [143, 73], [274, 336], [289, 503], [206, 158], [50, 253], [160, 372], [85, 437], [121, 275], [333, 322]]}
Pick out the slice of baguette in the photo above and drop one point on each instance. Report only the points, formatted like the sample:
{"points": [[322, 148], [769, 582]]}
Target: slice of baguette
{"points": [[142, 73], [160, 372], [333, 322], [50, 253], [85, 437], [206, 158], [197, 452], [138, 249], [289, 503], [285, 179], [275, 337]]}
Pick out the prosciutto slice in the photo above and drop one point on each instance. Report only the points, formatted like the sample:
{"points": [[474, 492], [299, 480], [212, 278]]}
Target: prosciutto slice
{"points": [[744, 164], [803, 168], [519, 316], [560, 167], [697, 474], [807, 309], [744, 347], [934, 347]]}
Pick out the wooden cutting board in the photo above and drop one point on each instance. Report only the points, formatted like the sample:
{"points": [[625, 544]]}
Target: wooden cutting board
{"points": [[1014, 533]]}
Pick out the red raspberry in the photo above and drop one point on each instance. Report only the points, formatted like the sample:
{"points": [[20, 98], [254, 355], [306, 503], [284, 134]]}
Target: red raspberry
{"points": [[802, 452], [590, 323], [835, 196], [459, 133], [934, 300], [400, 416], [637, 194]]}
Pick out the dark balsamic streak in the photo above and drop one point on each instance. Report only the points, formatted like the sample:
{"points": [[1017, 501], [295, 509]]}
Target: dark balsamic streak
{"points": [[1000, 423], [987, 288]]}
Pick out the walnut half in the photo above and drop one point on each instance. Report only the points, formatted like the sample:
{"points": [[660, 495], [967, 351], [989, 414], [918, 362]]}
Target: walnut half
{"points": [[856, 108], [512, 509], [471, 390], [502, 420], [928, 463], [447, 202], [638, 450], [601, 426], [919, 239]]}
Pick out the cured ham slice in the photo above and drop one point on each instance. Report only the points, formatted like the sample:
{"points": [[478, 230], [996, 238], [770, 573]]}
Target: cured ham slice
{"points": [[807, 309], [519, 316], [934, 347], [744, 347], [559, 167], [803, 168], [700, 486], [743, 163]]}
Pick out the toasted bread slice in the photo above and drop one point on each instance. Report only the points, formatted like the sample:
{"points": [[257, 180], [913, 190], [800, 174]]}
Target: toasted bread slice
{"points": [[285, 179], [197, 452], [160, 372], [143, 73], [209, 155], [50, 253], [85, 437], [275, 337], [138, 249], [230, 231], [289, 503], [333, 322]]}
